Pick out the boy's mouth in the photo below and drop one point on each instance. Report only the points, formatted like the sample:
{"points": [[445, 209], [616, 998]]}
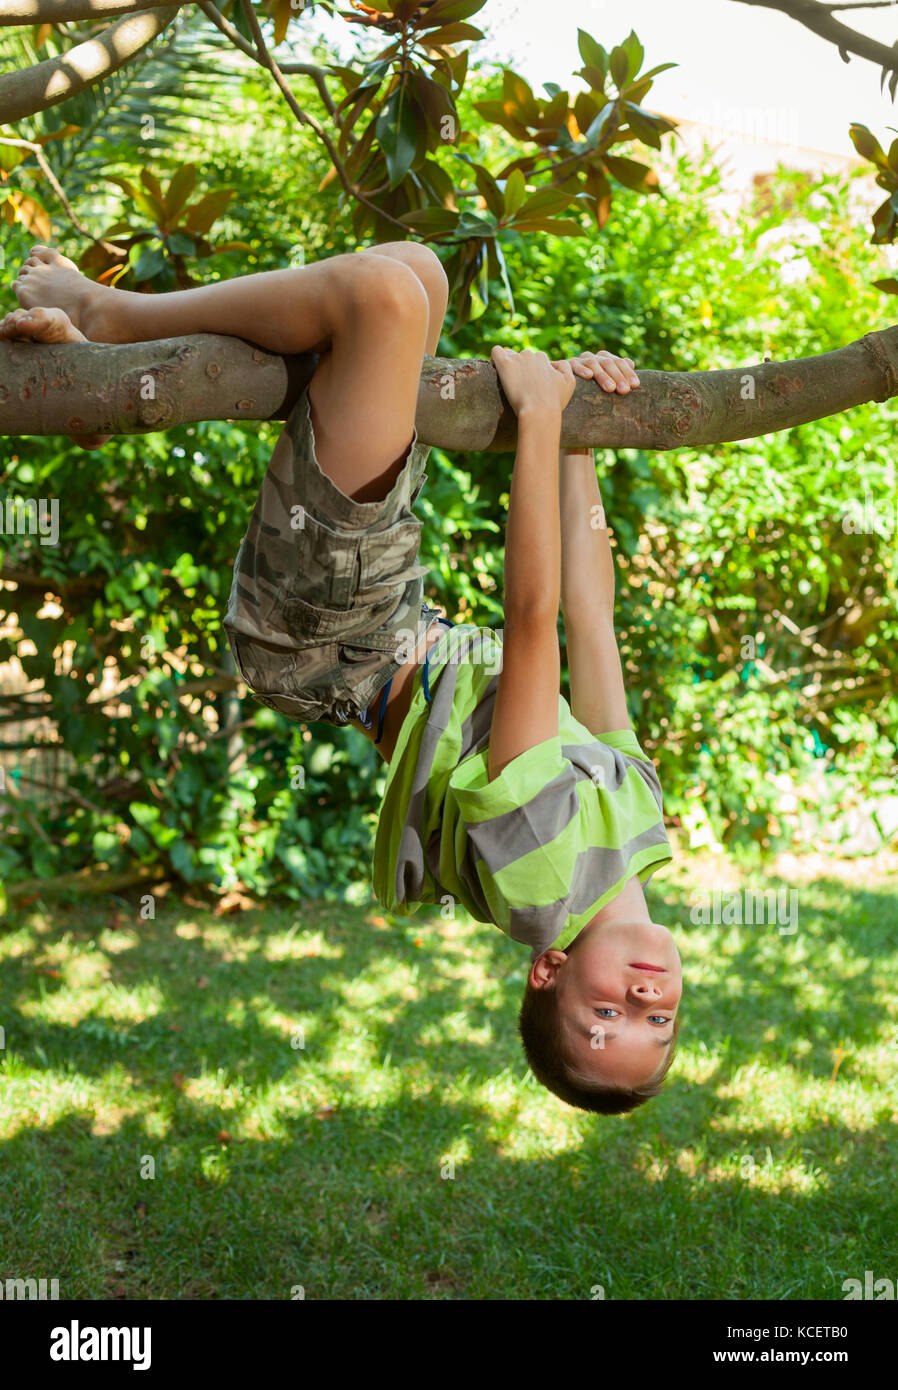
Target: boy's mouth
{"points": [[641, 965]]}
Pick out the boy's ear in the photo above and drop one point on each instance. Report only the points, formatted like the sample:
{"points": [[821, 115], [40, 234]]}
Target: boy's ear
{"points": [[545, 968]]}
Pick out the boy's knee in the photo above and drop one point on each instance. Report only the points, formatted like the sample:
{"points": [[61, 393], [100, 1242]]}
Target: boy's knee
{"points": [[429, 269], [386, 288]]}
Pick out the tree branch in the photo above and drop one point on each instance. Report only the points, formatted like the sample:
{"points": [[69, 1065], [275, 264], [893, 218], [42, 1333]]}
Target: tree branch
{"points": [[77, 388], [305, 119], [66, 11], [821, 21], [211, 11], [47, 84]]}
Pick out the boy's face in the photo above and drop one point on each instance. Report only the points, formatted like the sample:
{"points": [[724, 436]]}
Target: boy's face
{"points": [[617, 1013]]}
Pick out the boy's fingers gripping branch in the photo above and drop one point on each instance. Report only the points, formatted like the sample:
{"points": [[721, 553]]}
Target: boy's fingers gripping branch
{"points": [[531, 381], [610, 372]]}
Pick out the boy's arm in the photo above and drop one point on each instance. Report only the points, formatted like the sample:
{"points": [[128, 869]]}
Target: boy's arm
{"points": [[526, 709], [598, 699]]}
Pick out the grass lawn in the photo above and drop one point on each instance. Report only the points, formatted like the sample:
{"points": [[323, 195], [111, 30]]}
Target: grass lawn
{"points": [[318, 1099]]}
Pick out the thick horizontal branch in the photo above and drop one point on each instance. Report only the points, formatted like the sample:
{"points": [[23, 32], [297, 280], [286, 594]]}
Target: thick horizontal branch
{"points": [[136, 388], [47, 84], [64, 11]]}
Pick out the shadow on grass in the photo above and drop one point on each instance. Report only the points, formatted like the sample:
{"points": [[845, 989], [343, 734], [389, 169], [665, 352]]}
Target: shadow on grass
{"points": [[432, 1166]]}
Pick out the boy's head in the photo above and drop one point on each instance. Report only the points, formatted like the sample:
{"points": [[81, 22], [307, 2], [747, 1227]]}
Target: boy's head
{"points": [[599, 1026]]}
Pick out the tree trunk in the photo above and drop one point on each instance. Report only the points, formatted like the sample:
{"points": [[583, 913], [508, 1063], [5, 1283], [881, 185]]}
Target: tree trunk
{"points": [[135, 388]]}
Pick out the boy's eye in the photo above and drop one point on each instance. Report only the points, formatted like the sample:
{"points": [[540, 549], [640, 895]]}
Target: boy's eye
{"points": [[658, 1018], [608, 1013]]}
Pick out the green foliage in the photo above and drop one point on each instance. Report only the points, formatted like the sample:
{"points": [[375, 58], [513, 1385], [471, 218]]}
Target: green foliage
{"points": [[757, 632]]}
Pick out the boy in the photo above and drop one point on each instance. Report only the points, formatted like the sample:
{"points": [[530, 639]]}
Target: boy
{"points": [[540, 817]]}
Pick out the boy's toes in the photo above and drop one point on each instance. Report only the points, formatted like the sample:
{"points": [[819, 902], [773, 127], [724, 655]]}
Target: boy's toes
{"points": [[45, 325]]}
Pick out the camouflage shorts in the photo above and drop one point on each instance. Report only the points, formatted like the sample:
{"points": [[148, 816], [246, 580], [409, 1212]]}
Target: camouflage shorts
{"points": [[327, 592]]}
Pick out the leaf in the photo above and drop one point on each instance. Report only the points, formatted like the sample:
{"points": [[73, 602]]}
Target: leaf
{"points": [[653, 72], [592, 53], [867, 145], [601, 123], [497, 260], [32, 215], [430, 219], [397, 134], [586, 108], [562, 227], [515, 192], [180, 244], [284, 11], [208, 210], [452, 33], [434, 100], [635, 53], [181, 857], [489, 191], [889, 285], [10, 157], [494, 111], [153, 187], [517, 97], [646, 126], [548, 201], [124, 184], [632, 174], [179, 190], [148, 262], [447, 11], [619, 65]]}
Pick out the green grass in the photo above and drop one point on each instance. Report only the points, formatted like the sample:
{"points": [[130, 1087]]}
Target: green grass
{"points": [[442, 1170]]}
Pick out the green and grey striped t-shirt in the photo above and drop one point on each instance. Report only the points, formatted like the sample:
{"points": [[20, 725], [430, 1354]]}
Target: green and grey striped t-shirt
{"points": [[542, 847]]}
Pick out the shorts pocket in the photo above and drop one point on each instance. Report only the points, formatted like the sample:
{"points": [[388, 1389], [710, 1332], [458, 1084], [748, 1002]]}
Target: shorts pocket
{"points": [[273, 680], [312, 626], [389, 557], [325, 563]]}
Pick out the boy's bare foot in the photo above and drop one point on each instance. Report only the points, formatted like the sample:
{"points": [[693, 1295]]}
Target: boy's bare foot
{"points": [[49, 280], [47, 325]]}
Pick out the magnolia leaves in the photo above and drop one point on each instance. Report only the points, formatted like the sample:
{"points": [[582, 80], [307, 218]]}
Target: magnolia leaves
{"points": [[179, 225]]}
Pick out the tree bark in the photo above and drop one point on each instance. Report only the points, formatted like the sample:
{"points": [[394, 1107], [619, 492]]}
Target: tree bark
{"points": [[47, 84], [60, 11], [136, 388]]}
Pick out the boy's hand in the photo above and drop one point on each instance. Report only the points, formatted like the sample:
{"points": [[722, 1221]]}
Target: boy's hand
{"points": [[612, 373], [530, 380]]}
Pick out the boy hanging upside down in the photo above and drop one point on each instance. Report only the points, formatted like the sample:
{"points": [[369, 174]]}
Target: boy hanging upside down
{"points": [[541, 817]]}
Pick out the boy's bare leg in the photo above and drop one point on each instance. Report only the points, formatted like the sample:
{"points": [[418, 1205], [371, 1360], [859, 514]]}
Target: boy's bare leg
{"points": [[371, 316]]}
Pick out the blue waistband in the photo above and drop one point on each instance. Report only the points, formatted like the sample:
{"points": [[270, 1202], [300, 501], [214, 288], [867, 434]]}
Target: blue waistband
{"points": [[366, 718]]}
